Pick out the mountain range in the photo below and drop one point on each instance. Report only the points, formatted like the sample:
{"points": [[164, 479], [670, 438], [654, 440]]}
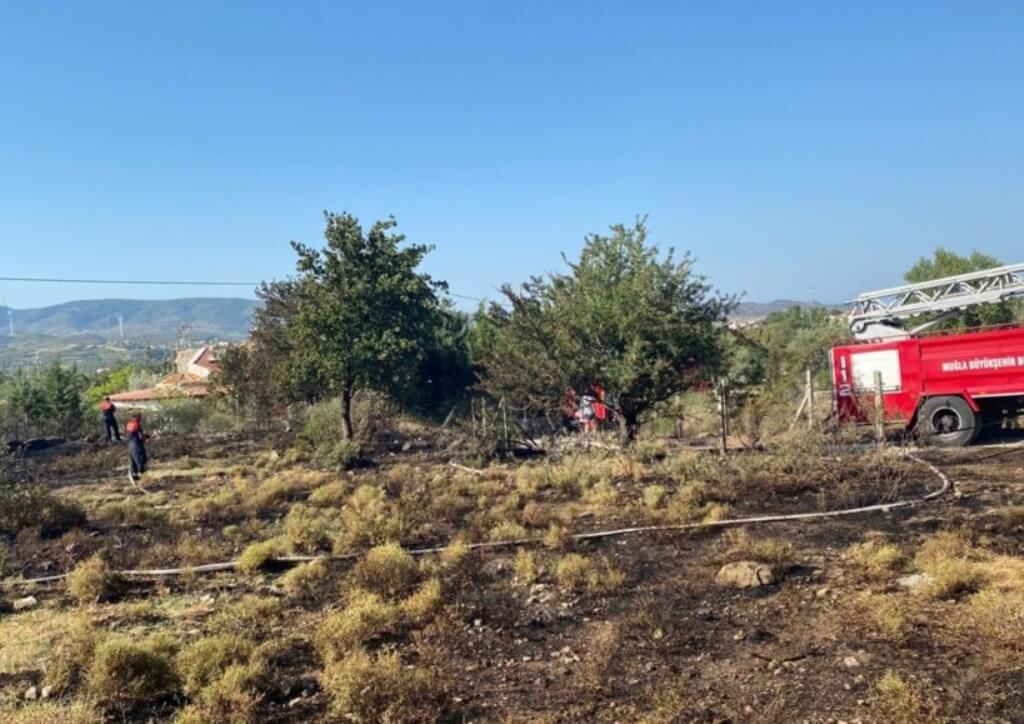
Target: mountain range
{"points": [[147, 321]]}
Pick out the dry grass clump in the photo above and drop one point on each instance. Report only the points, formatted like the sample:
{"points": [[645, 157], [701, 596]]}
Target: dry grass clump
{"points": [[368, 518], [233, 698], [525, 566], [574, 571], [877, 557], [380, 689], [192, 550], [271, 493], [997, 614], [251, 616], [902, 704], [420, 607], [330, 495], [654, 496], [947, 559], [206, 660], [602, 495], [366, 617], [124, 674], [602, 646], [742, 545], [886, 615], [223, 506], [557, 537], [307, 581], [92, 581], [71, 656], [256, 555], [131, 512], [688, 505], [508, 530], [387, 570], [76, 712], [310, 530]]}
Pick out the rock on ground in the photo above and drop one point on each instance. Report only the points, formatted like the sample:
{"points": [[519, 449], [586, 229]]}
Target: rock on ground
{"points": [[745, 574]]}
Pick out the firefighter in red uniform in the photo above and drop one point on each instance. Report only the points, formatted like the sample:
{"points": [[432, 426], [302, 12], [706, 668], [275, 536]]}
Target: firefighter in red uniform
{"points": [[136, 445], [109, 421]]}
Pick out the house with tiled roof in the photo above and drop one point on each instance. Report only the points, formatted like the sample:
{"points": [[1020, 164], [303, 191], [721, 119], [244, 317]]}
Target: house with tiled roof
{"points": [[191, 380]]}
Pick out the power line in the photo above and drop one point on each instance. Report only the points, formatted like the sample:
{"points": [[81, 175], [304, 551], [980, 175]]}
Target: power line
{"points": [[156, 282], [164, 282]]}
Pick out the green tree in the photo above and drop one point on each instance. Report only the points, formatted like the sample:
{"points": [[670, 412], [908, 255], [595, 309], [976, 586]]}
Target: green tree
{"points": [[945, 263], [638, 323], [359, 314], [63, 387]]}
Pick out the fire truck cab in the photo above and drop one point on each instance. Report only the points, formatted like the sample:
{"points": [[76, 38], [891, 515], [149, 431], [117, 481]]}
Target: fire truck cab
{"points": [[944, 386]]}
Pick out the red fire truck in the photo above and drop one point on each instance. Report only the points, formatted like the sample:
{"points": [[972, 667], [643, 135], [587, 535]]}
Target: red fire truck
{"points": [[944, 386]]}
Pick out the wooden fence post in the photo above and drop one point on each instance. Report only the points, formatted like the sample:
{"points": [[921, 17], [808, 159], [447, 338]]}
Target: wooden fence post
{"points": [[810, 399], [879, 408], [723, 415]]}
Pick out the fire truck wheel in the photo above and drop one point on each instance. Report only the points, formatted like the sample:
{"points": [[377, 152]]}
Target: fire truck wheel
{"points": [[947, 422]]}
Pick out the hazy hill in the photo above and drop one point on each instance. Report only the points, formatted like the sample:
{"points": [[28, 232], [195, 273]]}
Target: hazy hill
{"points": [[155, 321], [759, 310]]}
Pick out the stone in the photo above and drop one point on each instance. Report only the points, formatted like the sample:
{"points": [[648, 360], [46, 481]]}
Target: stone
{"points": [[745, 574], [46, 692], [851, 662], [822, 592], [913, 581], [32, 694], [23, 604]]}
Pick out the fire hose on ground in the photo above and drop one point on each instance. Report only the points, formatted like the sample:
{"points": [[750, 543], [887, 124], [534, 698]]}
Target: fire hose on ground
{"points": [[944, 489]]}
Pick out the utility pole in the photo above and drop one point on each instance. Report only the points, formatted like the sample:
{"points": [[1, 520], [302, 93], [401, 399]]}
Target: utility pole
{"points": [[120, 325]]}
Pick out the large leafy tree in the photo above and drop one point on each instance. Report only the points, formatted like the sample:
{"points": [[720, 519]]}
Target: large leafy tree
{"points": [[945, 263], [639, 323], [358, 315]]}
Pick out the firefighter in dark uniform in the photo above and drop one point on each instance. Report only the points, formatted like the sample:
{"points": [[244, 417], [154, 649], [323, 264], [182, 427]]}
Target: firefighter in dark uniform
{"points": [[136, 445], [109, 421]]}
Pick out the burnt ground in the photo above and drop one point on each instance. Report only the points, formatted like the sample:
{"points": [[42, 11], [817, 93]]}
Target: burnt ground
{"points": [[668, 644]]}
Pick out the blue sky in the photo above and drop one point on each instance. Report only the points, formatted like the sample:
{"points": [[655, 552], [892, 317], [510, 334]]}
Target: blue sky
{"points": [[797, 149]]}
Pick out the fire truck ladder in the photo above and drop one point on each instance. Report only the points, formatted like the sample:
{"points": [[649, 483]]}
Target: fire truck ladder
{"points": [[877, 315]]}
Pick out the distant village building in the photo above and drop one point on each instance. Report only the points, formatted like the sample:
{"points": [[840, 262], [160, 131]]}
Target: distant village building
{"points": [[191, 380]]}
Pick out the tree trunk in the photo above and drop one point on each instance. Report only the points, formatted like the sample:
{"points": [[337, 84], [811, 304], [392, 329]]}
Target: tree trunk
{"points": [[346, 413], [628, 424]]}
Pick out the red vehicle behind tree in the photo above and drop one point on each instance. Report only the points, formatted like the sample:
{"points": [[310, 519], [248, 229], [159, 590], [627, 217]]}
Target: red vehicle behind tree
{"points": [[944, 386]]}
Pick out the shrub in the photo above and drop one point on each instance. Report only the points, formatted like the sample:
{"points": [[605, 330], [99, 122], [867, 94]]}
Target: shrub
{"points": [[572, 570], [603, 494], [123, 674], [387, 570], [953, 577], [181, 417], [77, 712], [305, 582], [902, 704], [765, 550], [204, 661], [250, 616], [508, 530], [420, 607], [71, 656], [654, 496], [232, 698], [525, 566], [366, 617], [998, 615], [91, 581], [309, 530], [368, 519], [876, 556], [338, 456], [378, 688], [556, 538], [33, 506], [256, 555], [331, 494]]}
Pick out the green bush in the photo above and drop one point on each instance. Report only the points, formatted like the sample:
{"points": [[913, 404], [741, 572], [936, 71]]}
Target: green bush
{"points": [[179, 416], [338, 456], [206, 660]]}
